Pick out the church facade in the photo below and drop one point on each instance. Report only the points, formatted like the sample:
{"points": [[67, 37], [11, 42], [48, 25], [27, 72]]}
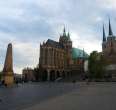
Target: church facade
{"points": [[109, 51], [60, 59]]}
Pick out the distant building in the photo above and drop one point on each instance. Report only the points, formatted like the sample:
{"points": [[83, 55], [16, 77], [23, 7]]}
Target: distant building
{"points": [[28, 74], [60, 59], [17, 77], [109, 51]]}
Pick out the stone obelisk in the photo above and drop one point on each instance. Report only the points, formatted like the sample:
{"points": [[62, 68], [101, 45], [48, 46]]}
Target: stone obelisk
{"points": [[8, 75]]}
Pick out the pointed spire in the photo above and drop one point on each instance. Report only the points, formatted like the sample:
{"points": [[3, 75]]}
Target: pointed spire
{"points": [[64, 29], [8, 65], [110, 29], [64, 32], [104, 36], [68, 36]]}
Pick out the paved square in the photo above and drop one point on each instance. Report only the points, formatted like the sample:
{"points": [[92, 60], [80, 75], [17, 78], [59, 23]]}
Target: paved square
{"points": [[29, 94], [59, 96], [92, 97]]}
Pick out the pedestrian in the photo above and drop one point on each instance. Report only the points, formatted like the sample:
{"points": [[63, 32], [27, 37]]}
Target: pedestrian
{"points": [[17, 83]]}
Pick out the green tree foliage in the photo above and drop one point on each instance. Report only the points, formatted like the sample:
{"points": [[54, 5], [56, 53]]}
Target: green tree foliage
{"points": [[96, 65]]}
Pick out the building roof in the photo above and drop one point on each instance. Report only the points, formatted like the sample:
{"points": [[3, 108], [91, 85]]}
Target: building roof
{"points": [[54, 43], [78, 53]]}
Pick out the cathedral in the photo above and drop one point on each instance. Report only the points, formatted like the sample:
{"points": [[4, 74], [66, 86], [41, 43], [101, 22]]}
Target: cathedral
{"points": [[60, 59], [109, 51]]}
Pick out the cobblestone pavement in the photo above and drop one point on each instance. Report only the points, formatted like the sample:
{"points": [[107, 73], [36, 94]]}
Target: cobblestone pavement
{"points": [[27, 95], [95, 96]]}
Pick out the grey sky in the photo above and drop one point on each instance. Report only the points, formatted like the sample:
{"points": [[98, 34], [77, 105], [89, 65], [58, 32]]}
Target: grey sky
{"points": [[26, 23]]}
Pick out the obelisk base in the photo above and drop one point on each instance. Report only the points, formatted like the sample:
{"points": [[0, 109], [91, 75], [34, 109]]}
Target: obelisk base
{"points": [[9, 79]]}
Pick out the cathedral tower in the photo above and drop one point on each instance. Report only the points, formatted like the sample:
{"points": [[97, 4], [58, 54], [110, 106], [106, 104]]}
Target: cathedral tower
{"points": [[67, 44], [109, 45]]}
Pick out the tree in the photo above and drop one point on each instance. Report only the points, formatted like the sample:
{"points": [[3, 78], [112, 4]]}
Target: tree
{"points": [[96, 65]]}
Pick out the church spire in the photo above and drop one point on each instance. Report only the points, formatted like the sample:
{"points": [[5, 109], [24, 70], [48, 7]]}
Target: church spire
{"points": [[68, 36], [110, 29], [104, 36], [64, 32]]}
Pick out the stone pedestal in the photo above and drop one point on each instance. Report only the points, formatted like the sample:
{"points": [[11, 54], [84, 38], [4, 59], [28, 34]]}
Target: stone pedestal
{"points": [[9, 80]]}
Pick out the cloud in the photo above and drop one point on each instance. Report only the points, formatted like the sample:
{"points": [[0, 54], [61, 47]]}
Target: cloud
{"points": [[79, 41], [26, 23], [108, 4], [24, 54]]}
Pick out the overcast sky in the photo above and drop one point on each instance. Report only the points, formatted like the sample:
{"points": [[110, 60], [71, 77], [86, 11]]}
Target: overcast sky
{"points": [[26, 23]]}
